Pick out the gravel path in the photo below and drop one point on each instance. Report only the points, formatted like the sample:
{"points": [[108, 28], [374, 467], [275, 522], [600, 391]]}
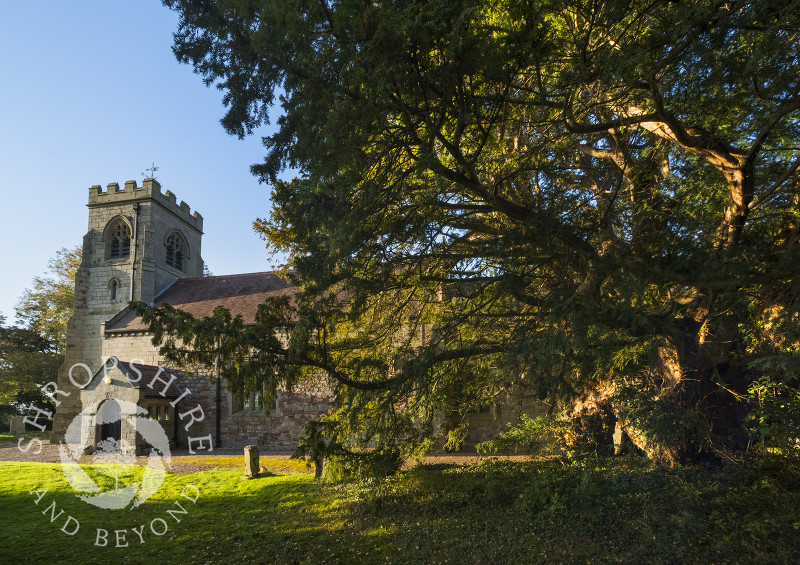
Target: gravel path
{"points": [[184, 462], [10, 452], [181, 460]]}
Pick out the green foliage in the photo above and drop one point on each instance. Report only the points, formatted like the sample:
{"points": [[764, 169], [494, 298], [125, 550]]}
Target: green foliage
{"points": [[47, 306], [668, 431], [599, 510], [364, 466], [336, 462], [590, 431], [554, 200], [571, 434], [27, 362], [540, 435], [30, 356], [773, 422], [316, 444]]}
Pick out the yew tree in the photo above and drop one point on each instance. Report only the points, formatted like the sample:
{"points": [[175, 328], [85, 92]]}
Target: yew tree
{"points": [[592, 201]]}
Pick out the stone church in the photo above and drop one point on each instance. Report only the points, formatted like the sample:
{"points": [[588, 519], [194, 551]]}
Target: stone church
{"points": [[142, 245]]}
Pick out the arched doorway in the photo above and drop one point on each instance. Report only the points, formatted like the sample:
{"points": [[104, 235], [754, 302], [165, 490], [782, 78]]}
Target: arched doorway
{"points": [[109, 419]]}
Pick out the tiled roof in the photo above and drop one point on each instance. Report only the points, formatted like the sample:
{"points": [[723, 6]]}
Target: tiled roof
{"points": [[241, 294], [140, 376], [145, 374]]}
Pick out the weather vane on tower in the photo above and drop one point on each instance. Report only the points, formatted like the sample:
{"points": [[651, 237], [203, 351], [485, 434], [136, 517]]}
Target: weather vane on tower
{"points": [[151, 172]]}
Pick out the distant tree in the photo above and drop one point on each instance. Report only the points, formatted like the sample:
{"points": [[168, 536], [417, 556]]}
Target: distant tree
{"points": [[27, 361], [31, 356], [590, 203], [47, 306]]}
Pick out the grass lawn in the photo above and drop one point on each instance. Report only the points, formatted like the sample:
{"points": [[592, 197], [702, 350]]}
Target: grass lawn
{"points": [[272, 464], [601, 510], [8, 438]]}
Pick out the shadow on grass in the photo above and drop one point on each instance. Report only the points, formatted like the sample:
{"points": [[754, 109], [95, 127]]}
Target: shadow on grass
{"points": [[282, 519], [597, 511], [601, 511]]}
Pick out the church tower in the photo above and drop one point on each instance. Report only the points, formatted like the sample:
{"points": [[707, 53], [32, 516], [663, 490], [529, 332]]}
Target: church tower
{"points": [[138, 243]]}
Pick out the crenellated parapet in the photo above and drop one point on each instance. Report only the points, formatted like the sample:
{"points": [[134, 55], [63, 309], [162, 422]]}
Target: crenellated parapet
{"points": [[150, 189]]}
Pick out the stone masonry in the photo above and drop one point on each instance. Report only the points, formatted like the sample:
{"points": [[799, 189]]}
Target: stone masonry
{"points": [[150, 217]]}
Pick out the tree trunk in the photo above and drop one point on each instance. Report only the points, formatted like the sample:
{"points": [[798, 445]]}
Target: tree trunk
{"points": [[698, 401]]}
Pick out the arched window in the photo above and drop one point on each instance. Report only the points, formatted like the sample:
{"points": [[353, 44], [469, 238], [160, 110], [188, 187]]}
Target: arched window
{"points": [[176, 250], [119, 241], [114, 288]]}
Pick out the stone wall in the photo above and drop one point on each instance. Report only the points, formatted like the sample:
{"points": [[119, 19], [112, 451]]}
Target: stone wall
{"points": [[283, 427], [135, 347], [278, 431]]}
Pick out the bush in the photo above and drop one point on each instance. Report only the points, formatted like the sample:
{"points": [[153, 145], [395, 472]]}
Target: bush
{"points": [[586, 432], [530, 435], [376, 464], [773, 421]]}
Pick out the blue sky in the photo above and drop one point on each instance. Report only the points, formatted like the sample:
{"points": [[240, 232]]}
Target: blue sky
{"points": [[92, 94]]}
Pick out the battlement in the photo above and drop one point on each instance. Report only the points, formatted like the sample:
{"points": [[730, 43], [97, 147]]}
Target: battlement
{"points": [[150, 189]]}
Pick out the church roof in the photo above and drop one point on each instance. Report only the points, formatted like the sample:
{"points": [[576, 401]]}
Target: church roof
{"points": [[240, 294], [146, 373], [139, 375]]}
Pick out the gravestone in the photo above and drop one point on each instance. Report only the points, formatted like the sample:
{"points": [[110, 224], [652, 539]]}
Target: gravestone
{"points": [[17, 426], [251, 461]]}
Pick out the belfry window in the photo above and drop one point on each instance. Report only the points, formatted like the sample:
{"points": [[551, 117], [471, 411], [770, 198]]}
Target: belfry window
{"points": [[176, 251], [120, 244]]}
